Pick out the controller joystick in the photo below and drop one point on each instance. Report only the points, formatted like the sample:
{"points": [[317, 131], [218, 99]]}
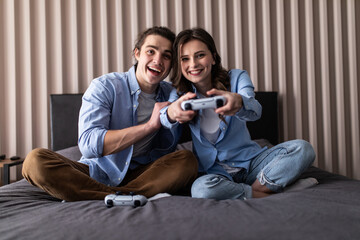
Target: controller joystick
{"points": [[187, 106], [219, 103]]}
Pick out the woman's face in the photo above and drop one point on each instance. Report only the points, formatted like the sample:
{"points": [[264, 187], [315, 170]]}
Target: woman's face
{"points": [[196, 62]]}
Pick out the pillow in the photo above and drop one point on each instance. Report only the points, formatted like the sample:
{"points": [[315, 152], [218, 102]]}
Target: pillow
{"points": [[72, 153]]}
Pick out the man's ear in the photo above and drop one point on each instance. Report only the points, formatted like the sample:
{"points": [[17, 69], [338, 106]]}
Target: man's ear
{"points": [[136, 53]]}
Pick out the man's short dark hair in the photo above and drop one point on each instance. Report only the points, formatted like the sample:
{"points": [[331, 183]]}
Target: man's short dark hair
{"points": [[156, 30], [161, 31]]}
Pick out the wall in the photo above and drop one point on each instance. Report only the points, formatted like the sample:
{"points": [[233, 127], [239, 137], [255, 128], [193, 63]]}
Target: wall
{"points": [[306, 50]]}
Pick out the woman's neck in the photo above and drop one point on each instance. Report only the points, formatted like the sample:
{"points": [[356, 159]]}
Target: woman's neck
{"points": [[203, 87]]}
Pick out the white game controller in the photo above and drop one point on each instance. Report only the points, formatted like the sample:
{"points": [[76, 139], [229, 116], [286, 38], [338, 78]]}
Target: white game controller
{"points": [[203, 103], [125, 200]]}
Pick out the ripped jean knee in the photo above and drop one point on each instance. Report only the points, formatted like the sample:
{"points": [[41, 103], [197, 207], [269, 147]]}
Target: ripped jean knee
{"points": [[268, 183]]}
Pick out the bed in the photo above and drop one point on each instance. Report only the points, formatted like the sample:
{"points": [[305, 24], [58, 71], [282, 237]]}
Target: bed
{"points": [[329, 210]]}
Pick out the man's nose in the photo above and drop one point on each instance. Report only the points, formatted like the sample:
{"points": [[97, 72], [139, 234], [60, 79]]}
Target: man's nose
{"points": [[158, 59]]}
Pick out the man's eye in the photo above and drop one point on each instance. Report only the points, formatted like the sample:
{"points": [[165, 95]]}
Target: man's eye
{"points": [[150, 51], [167, 57]]}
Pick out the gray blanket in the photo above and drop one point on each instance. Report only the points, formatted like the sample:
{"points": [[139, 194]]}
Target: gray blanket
{"points": [[330, 210]]}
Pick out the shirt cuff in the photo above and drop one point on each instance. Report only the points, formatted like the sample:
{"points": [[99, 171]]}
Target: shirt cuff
{"points": [[165, 120], [250, 109]]}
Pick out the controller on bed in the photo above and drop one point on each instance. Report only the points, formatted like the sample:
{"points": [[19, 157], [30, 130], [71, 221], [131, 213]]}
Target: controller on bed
{"points": [[125, 200], [203, 103]]}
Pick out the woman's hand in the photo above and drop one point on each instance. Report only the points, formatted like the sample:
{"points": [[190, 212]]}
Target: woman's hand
{"points": [[233, 102], [175, 112]]}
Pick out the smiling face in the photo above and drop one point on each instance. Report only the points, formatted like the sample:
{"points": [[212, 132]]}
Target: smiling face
{"points": [[154, 62], [196, 64]]}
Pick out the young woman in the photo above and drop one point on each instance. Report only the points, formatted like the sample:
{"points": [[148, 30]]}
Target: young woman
{"points": [[234, 166]]}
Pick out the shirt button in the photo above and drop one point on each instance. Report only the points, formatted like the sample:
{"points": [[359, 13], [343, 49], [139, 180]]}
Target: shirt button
{"points": [[134, 106], [224, 128], [119, 179], [233, 164], [126, 163]]}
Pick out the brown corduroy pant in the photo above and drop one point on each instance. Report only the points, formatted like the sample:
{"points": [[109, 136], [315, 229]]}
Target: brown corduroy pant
{"points": [[70, 180]]}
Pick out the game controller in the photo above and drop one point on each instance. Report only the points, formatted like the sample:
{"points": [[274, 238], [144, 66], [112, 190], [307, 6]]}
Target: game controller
{"points": [[203, 103], [125, 200]]}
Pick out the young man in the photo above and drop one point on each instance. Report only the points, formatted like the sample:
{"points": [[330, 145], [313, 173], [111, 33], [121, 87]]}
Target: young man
{"points": [[123, 144]]}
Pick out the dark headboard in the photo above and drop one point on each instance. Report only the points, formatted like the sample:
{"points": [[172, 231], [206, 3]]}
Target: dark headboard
{"points": [[267, 127], [64, 115]]}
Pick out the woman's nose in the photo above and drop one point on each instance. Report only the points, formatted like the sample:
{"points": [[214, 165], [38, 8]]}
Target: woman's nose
{"points": [[193, 62]]}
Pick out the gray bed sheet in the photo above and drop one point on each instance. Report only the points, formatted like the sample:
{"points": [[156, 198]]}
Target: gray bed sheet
{"points": [[330, 210]]}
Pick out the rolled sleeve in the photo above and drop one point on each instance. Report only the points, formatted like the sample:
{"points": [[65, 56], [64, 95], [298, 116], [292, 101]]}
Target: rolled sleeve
{"points": [[165, 120], [94, 120], [241, 84], [163, 112], [251, 110]]}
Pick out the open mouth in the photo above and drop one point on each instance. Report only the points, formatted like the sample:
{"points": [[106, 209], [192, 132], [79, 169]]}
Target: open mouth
{"points": [[154, 70]]}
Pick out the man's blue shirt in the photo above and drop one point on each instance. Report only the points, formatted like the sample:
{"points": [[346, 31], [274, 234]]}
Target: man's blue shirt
{"points": [[110, 103]]}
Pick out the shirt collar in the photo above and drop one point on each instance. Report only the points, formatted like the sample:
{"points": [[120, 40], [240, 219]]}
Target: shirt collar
{"points": [[195, 90], [134, 85]]}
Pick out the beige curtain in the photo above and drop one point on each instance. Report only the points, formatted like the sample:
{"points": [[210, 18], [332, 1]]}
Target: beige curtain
{"points": [[307, 50]]}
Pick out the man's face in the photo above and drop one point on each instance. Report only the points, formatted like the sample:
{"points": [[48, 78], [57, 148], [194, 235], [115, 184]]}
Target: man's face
{"points": [[154, 62]]}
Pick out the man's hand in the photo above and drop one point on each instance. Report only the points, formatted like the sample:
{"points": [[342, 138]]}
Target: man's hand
{"points": [[154, 122], [233, 102], [175, 112], [117, 140]]}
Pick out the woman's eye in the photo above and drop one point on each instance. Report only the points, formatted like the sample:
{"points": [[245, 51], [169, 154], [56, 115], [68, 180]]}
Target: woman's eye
{"points": [[184, 59], [200, 55]]}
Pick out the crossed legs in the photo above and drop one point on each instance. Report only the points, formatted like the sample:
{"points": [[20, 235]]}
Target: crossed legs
{"points": [[70, 180]]}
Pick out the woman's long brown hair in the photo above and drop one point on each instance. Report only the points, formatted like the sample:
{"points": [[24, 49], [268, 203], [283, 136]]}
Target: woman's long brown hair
{"points": [[219, 76]]}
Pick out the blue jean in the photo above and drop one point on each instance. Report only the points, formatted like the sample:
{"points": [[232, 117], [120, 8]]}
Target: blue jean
{"points": [[275, 168]]}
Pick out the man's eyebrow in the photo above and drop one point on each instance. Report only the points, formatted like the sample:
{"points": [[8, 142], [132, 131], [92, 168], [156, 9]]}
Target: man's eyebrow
{"points": [[157, 48], [152, 46]]}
